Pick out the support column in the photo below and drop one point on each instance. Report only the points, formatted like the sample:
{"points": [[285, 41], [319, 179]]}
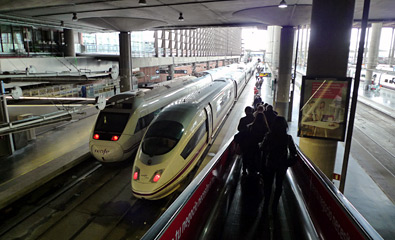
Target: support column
{"points": [[276, 49], [193, 68], [171, 72], [125, 62], [366, 48], [81, 43], [156, 43], [284, 71], [392, 49], [301, 54], [331, 24], [373, 53], [268, 55], [306, 48], [69, 50], [356, 47]]}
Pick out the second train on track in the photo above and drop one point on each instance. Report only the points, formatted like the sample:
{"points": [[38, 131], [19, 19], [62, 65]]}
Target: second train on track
{"points": [[180, 134], [121, 124]]}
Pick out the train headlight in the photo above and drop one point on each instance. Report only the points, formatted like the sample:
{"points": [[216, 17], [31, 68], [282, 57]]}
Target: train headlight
{"points": [[114, 138], [96, 136], [156, 176], [136, 174]]}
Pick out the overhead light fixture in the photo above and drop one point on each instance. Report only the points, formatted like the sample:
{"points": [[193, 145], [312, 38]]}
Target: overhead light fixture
{"points": [[282, 4], [180, 18], [75, 17], [142, 2]]}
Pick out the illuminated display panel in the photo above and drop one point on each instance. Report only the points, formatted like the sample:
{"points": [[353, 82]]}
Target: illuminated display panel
{"points": [[324, 107]]}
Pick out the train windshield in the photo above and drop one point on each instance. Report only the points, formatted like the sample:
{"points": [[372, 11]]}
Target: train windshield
{"points": [[161, 137], [110, 122]]}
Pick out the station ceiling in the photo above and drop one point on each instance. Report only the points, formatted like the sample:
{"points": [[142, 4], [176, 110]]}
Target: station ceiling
{"points": [[129, 15]]}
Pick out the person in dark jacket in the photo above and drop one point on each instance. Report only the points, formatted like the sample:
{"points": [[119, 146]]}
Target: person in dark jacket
{"points": [[257, 101], [270, 114], [275, 145], [244, 121], [257, 131], [259, 109], [242, 136]]}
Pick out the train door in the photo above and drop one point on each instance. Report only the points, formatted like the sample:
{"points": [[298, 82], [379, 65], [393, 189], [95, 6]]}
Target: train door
{"points": [[209, 122], [236, 89], [246, 77]]}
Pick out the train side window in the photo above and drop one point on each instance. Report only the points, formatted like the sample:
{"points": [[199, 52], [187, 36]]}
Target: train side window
{"points": [[143, 122], [138, 125], [148, 119], [194, 141]]}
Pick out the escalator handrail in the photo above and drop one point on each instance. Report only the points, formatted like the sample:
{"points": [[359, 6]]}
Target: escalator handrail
{"points": [[353, 215]]}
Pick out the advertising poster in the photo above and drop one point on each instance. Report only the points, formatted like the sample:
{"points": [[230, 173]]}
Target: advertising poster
{"points": [[323, 107]]}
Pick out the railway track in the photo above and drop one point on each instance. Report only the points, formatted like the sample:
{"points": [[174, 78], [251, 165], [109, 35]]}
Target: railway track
{"points": [[96, 204], [374, 148]]}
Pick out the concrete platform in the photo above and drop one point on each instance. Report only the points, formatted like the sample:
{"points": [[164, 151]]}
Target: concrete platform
{"points": [[44, 158]]}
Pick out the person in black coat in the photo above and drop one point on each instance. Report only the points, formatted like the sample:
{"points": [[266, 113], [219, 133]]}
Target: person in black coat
{"points": [[276, 145], [256, 132], [257, 101], [270, 114], [242, 136], [244, 121]]}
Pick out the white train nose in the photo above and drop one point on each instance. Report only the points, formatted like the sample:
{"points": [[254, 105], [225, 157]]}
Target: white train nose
{"points": [[108, 153]]}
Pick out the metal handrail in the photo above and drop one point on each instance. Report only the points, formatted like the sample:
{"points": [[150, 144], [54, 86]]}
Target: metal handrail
{"points": [[352, 213]]}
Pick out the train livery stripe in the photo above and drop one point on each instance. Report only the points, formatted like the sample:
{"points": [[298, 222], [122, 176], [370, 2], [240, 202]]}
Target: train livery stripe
{"points": [[176, 177]]}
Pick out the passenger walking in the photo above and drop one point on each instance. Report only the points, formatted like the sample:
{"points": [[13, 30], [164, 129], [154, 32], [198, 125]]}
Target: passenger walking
{"points": [[243, 135], [270, 114], [276, 145], [257, 131], [244, 121], [260, 83], [259, 109], [257, 101]]}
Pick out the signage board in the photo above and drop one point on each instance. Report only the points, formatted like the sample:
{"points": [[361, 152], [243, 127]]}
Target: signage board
{"points": [[323, 107], [265, 74]]}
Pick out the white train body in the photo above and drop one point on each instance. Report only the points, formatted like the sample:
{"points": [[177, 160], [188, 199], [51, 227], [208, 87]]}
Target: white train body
{"points": [[177, 138], [120, 126]]}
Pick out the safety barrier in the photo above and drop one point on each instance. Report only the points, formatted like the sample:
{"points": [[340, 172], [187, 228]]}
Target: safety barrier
{"points": [[331, 213]]}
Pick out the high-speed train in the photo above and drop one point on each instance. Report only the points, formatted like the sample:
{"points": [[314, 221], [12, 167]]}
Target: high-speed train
{"points": [[178, 136], [121, 124]]}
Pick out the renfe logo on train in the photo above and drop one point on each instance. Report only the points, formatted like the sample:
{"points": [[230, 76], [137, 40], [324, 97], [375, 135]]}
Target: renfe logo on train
{"points": [[103, 152]]}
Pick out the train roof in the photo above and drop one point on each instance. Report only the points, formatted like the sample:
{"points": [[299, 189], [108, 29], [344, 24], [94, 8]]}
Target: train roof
{"points": [[205, 95], [182, 113], [156, 90], [124, 96], [184, 109]]}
